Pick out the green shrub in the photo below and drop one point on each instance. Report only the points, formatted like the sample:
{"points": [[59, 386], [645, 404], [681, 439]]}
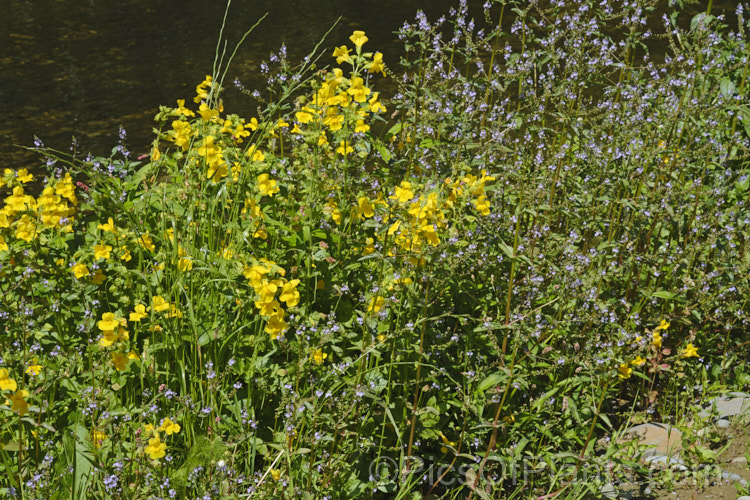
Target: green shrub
{"points": [[350, 295]]}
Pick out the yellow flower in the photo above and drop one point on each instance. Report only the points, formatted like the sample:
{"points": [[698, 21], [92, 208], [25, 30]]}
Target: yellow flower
{"points": [[185, 264], [169, 427], [267, 290], [638, 361], [24, 176], [376, 304], [98, 277], [344, 148], [624, 370], [690, 351], [97, 437], [319, 356], [174, 312], [375, 105], [275, 326], [403, 193], [377, 64], [158, 304], [341, 54], [181, 135], [333, 121], [108, 338], [182, 110], [482, 204], [358, 38], [139, 313], [3, 245], [275, 474], [267, 186], [305, 115], [369, 247], [358, 90], [155, 449], [34, 368], [394, 227], [447, 442], [662, 326], [202, 89], [206, 112], [361, 127], [254, 274], [19, 403], [102, 251], [7, 383], [656, 339], [427, 231], [108, 322], [254, 153], [336, 215], [26, 229], [119, 361], [125, 256], [146, 242], [365, 207], [289, 293]]}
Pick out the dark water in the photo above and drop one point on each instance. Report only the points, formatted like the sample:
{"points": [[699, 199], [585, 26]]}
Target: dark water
{"points": [[84, 67]]}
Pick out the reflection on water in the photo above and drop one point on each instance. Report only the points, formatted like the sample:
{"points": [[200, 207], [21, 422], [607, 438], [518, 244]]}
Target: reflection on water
{"points": [[83, 67]]}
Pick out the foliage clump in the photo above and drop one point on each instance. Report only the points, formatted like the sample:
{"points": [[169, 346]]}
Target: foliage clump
{"points": [[352, 296]]}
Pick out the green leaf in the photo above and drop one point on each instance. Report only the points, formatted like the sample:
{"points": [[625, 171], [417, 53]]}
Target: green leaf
{"points": [[546, 396], [573, 408], [11, 446], [605, 419], [518, 449], [384, 153], [727, 87], [745, 115], [663, 294], [492, 379], [84, 461], [507, 250], [395, 129]]}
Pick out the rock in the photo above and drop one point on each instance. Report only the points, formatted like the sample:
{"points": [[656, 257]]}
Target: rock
{"points": [[723, 423], [740, 460], [609, 491], [662, 439], [744, 497], [731, 476], [727, 406], [656, 460], [675, 462]]}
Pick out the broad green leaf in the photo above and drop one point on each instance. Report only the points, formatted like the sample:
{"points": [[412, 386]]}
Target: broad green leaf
{"points": [[491, 380]]}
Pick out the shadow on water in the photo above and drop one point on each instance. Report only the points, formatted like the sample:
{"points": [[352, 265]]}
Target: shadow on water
{"points": [[81, 68]]}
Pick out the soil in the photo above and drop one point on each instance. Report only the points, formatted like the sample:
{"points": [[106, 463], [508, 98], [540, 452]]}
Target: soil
{"points": [[737, 444]]}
